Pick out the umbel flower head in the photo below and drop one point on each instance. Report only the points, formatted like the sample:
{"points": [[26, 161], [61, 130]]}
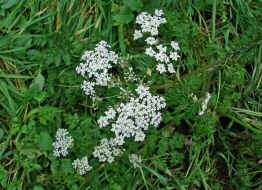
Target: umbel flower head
{"points": [[149, 23], [107, 150], [62, 143], [131, 119], [95, 65], [82, 165]]}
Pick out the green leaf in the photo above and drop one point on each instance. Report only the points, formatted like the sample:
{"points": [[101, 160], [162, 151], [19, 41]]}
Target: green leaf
{"points": [[121, 40], [1, 133], [134, 5], [67, 166], [9, 3], [15, 76], [38, 187], [163, 179], [54, 166], [124, 16], [45, 142], [3, 177], [2, 12], [177, 141], [11, 108]]}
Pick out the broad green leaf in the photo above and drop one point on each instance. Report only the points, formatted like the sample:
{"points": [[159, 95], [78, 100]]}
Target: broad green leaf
{"points": [[67, 166], [45, 142], [54, 166], [124, 16]]}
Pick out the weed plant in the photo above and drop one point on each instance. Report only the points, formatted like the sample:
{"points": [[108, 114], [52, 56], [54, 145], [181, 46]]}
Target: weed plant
{"points": [[210, 135]]}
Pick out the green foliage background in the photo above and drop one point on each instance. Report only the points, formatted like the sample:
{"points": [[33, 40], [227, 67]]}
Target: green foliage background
{"points": [[41, 42]]}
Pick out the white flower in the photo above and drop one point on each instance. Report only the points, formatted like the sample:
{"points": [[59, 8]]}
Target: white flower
{"points": [[140, 136], [137, 34], [163, 57], [150, 23], [204, 105], [159, 12], [62, 143], [161, 68], [175, 45], [170, 68], [135, 116], [151, 41], [142, 90], [95, 65], [102, 122], [88, 87], [130, 75], [150, 52], [81, 166], [161, 48], [135, 160], [174, 56], [156, 119], [111, 113], [107, 150]]}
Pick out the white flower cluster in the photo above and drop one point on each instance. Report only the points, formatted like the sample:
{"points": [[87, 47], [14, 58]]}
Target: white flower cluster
{"points": [[95, 64], [107, 150], [204, 105], [62, 143], [130, 75], [133, 118], [82, 165], [135, 160], [164, 57], [151, 41], [129, 119], [149, 23]]}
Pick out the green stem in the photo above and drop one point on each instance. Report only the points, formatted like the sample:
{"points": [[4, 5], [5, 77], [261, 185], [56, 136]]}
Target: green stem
{"points": [[214, 10], [246, 125], [143, 176]]}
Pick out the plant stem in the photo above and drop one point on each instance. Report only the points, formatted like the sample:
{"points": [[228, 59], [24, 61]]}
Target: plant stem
{"points": [[214, 10]]}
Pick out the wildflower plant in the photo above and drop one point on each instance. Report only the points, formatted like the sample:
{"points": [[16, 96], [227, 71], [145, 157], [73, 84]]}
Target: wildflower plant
{"points": [[140, 109], [135, 109], [80, 82]]}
